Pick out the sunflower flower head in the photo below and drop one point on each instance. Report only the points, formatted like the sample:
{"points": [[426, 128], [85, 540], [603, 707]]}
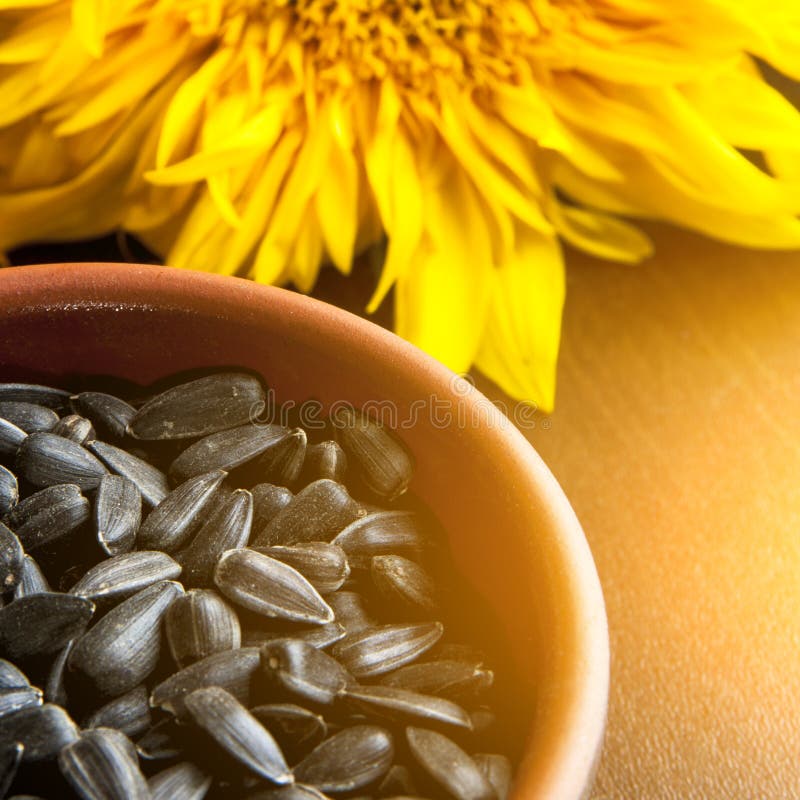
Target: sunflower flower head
{"points": [[268, 138]]}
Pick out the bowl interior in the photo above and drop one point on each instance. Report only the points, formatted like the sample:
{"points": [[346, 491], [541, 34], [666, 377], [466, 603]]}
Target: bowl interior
{"points": [[513, 534]]}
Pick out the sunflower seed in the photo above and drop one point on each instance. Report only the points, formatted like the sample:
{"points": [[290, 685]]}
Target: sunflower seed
{"points": [[126, 574], [129, 713], [456, 651], [184, 781], [75, 428], [9, 490], [303, 670], [200, 623], [41, 624], [122, 649], [32, 581], [11, 677], [22, 697], [322, 564], [233, 670], [44, 521], [403, 705], [319, 636], [451, 679], [381, 533], [117, 514], [34, 393], [160, 743], [315, 514], [295, 728], [238, 732], [10, 758], [55, 689], [405, 581], [99, 766], [382, 649], [199, 408], [269, 587], [45, 459], [282, 463], [226, 450], [294, 791], [41, 501], [496, 769], [41, 730], [151, 482], [325, 460], [349, 612], [108, 414], [173, 521], [30, 417], [11, 556], [268, 500], [448, 765], [350, 759], [385, 464], [227, 528], [11, 437]]}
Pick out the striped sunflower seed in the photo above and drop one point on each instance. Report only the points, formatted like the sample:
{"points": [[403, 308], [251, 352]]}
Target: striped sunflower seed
{"points": [[404, 581], [448, 765], [41, 730], [452, 679], [283, 463], [377, 650], [496, 768], [41, 624], [11, 437], [382, 533], [238, 732], [122, 649], [55, 690], [128, 713], [228, 528], [31, 417], [34, 393], [315, 514], [108, 414], [123, 575], [161, 742], [385, 464], [226, 450], [348, 760], [269, 587], [11, 558], [10, 758], [201, 407], [349, 611], [325, 460], [296, 729], [22, 697], [11, 676], [402, 705], [200, 623], [76, 428], [233, 670], [151, 482], [322, 564], [99, 766], [45, 459], [268, 500], [319, 636], [304, 671], [50, 514], [9, 490], [170, 525], [183, 781], [117, 514], [32, 581]]}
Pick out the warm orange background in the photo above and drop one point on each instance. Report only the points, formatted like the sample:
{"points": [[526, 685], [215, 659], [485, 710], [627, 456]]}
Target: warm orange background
{"points": [[677, 439]]}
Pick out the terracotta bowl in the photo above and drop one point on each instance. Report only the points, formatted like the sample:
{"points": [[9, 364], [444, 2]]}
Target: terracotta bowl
{"points": [[513, 533]]}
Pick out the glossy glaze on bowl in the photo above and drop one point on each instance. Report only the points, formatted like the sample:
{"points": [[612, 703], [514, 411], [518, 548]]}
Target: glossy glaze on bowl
{"points": [[513, 533]]}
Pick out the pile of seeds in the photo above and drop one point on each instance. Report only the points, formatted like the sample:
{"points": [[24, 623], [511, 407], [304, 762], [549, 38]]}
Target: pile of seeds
{"points": [[194, 605]]}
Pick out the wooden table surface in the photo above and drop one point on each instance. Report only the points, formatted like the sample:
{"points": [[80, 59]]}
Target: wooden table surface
{"points": [[677, 439]]}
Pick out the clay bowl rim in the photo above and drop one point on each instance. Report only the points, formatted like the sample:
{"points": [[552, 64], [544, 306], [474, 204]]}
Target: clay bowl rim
{"points": [[573, 759]]}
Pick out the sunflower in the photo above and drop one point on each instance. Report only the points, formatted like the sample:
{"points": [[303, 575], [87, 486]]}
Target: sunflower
{"points": [[266, 138]]}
